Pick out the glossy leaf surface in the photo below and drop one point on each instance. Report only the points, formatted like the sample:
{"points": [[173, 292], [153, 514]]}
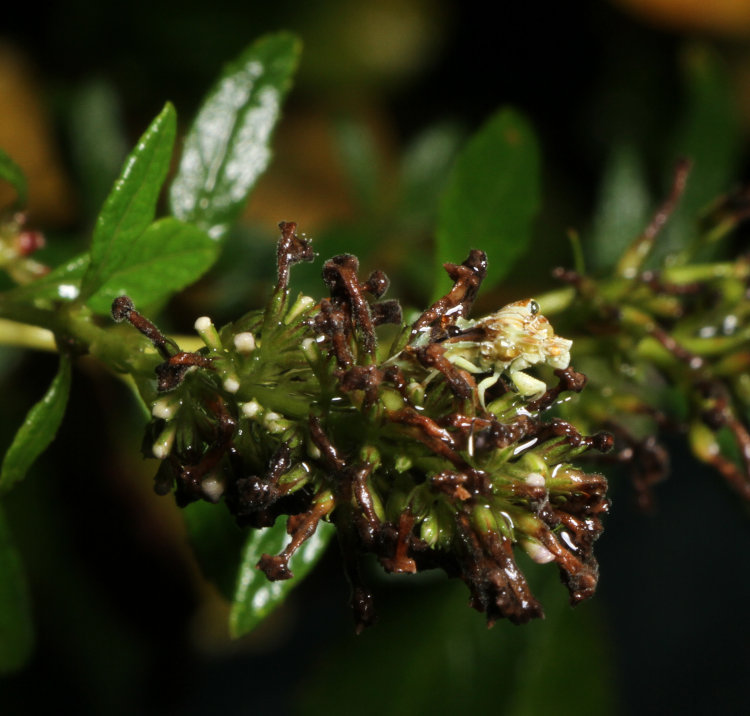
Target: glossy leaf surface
{"points": [[12, 173], [131, 205], [16, 629], [38, 429], [491, 198], [255, 596], [165, 258], [228, 146], [63, 283]]}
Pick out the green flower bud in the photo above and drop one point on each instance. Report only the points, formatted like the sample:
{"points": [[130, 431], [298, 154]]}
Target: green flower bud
{"points": [[429, 530]]}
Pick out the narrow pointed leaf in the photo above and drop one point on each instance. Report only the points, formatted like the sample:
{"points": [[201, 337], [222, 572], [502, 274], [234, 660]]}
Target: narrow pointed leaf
{"points": [[165, 258], [492, 196], [255, 596], [623, 207], [131, 205], [12, 173], [98, 144], [424, 171], [38, 429], [228, 146], [16, 629]]}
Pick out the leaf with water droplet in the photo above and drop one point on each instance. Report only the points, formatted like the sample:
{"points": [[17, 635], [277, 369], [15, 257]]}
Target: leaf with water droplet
{"points": [[63, 283], [228, 146]]}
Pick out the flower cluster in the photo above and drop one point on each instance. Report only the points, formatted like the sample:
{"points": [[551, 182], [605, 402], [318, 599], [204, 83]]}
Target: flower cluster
{"points": [[429, 449], [665, 345]]}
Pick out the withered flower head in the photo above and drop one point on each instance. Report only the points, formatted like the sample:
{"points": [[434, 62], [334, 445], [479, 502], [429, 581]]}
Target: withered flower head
{"points": [[428, 452]]}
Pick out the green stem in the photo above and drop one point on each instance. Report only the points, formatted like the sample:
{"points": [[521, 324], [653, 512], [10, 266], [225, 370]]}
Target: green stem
{"points": [[24, 335], [705, 272]]}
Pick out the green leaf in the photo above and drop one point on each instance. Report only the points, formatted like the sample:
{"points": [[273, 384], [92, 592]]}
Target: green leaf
{"points": [[710, 136], [623, 209], [61, 284], [165, 258], [438, 657], [217, 543], [424, 171], [492, 196], [255, 596], [16, 627], [12, 173], [360, 159], [38, 429], [97, 140], [131, 205], [228, 146]]}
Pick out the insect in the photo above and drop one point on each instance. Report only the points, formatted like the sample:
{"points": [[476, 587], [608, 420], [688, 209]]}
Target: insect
{"points": [[508, 341]]}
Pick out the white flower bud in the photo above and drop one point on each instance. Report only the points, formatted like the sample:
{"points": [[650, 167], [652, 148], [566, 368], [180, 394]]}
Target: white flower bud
{"points": [[165, 407], [534, 479], [212, 488], [251, 409], [205, 328], [244, 342], [537, 551], [231, 384]]}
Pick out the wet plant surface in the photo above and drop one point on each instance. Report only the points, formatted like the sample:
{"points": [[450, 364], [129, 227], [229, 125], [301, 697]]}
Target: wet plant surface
{"points": [[296, 411], [456, 453]]}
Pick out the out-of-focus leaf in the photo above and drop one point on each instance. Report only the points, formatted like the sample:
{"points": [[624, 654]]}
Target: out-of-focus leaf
{"points": [[360, 159], [438, 657], [255, 596], [492, 196], [228, 146], [16, 628], [38, 429], [545, 683], [97, 141], [623, 209], [130, 206], [710, 136], [166, 257], [424, 171], [12, 173]]}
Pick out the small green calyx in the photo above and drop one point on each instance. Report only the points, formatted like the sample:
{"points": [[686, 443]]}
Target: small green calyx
{"points": [[428, 452]]}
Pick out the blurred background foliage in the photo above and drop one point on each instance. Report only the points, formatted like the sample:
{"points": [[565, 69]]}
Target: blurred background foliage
{"points": [[387, 93]]}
